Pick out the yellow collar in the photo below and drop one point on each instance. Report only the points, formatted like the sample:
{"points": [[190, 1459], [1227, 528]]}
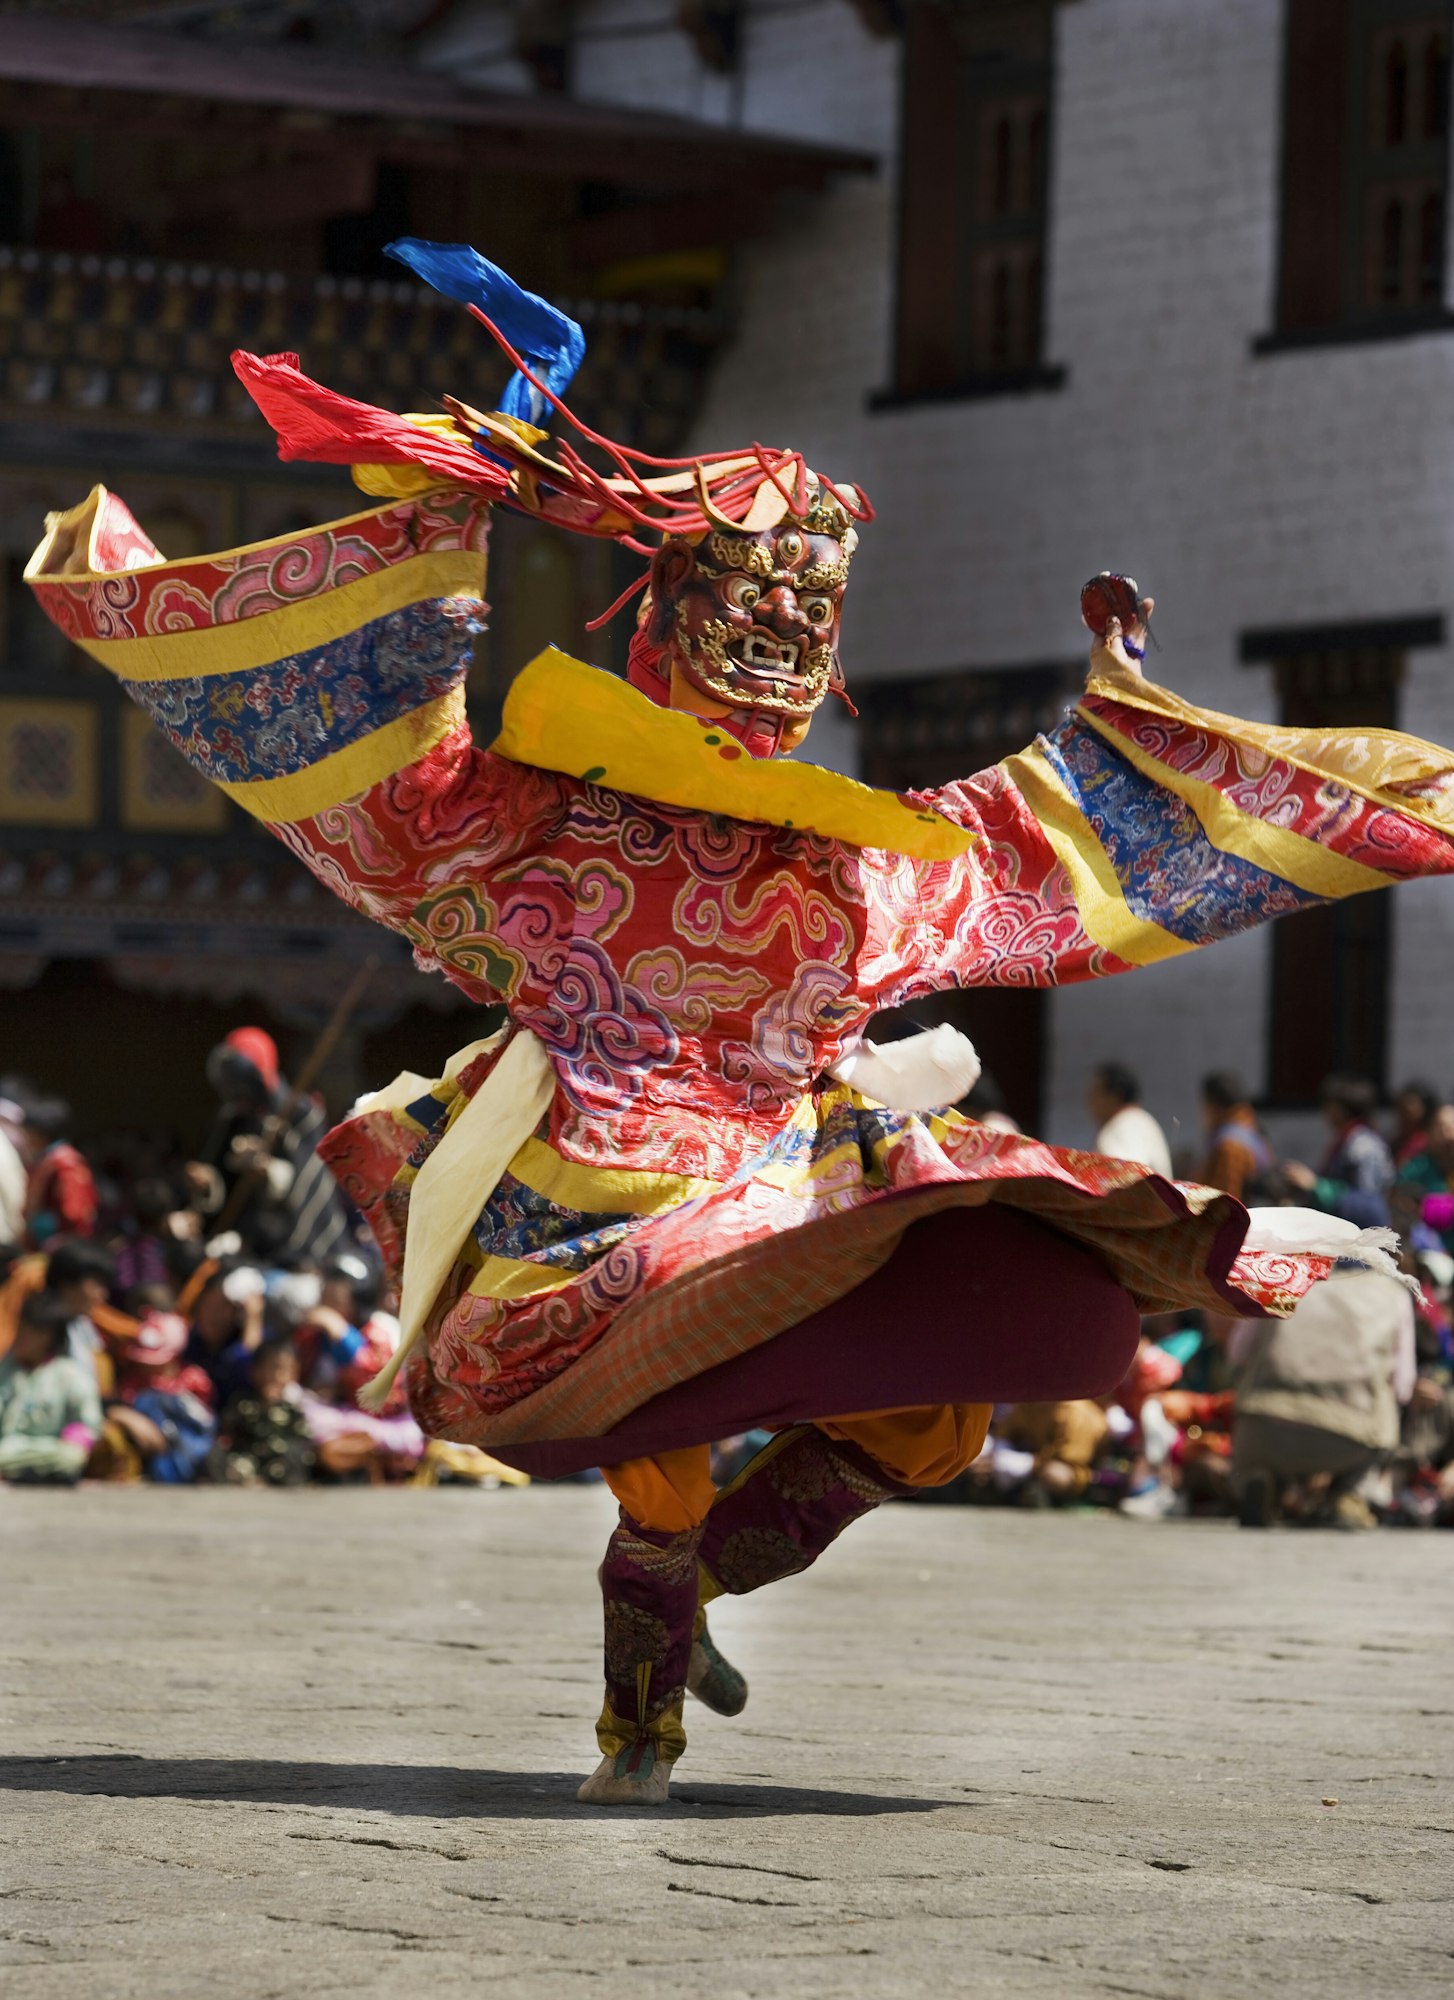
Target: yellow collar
{"points": [[565, 716]]}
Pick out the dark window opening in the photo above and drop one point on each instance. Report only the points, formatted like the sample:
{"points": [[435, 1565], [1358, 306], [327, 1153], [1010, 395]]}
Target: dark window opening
{"points": [[353, 245], [1330, 965], [32, 648], [975, 121], [1436, 86], [1431, 247], [1365, 166], [930, 731], [1396, 95]]}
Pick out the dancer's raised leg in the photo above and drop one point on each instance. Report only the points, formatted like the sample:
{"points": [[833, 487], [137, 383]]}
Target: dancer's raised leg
{"points": [[801, 1491]]}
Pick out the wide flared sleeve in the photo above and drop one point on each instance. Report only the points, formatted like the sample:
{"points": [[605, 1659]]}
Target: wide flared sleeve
{"points": [[1144, 827], [319, 680]]}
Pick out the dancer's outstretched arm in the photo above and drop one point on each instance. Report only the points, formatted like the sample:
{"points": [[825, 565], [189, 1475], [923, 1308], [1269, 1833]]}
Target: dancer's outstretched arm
{"points": [[1144, 827], [320, 681]]}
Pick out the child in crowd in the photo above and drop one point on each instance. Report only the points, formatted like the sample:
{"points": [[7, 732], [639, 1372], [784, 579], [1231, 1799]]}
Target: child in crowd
{"points": [[50, 1412], [263, 1437], [227, 1328], [81, 1275], [343, 1342]]}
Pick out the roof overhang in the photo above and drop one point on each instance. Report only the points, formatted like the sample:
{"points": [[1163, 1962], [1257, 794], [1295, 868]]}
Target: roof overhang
{"points": [[55, 71]]}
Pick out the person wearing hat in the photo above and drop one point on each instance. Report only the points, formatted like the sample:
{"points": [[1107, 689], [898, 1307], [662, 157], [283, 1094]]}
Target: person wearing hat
{"points": [[263, 1146]]}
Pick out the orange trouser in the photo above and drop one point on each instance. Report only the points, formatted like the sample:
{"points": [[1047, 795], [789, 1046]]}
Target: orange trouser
{"points": [[920, 1447]]}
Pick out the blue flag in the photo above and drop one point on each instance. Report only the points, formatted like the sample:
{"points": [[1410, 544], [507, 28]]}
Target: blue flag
{"points": [[548, 339]]}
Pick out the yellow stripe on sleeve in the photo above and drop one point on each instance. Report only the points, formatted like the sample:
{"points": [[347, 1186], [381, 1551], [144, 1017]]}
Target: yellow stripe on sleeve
{"points": [[343, 774], [1104, 912], [249, 643], [1292, 857]]}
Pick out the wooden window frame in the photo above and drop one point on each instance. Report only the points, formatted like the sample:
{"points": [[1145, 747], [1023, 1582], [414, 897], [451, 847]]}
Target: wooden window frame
{"points": [[1335, 174], [929, 730], [951, 231], [1329, 989]]}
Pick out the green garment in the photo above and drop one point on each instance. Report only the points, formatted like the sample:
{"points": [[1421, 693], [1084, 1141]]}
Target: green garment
{"points": [[1420, 1172], [36, 1405]]}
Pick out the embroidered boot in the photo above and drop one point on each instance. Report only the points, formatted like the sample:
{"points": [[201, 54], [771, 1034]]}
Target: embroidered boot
{"points": [[649, 1586], [711, 1677], [785, 1507]]}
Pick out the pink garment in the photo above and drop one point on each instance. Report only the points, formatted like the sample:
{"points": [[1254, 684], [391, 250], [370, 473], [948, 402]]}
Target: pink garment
{"points": [[326, 1422]]}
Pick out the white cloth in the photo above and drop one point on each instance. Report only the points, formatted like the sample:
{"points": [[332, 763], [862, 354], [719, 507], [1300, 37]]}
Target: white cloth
{"points": [[1133, 1134], [459, 1176], [923, 1072], [1307, 1232]]}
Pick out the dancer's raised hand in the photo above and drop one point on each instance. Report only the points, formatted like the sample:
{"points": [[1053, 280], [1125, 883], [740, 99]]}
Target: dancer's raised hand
{"points": [[1109, 655]]}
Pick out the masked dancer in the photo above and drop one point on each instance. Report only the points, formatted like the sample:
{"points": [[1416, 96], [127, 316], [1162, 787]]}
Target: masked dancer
{"points": [[678, 1197]]}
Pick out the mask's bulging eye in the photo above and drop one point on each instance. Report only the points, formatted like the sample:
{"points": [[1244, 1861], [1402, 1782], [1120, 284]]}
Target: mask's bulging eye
{"points": [[818, 610], [742, 591], [790, 547]]}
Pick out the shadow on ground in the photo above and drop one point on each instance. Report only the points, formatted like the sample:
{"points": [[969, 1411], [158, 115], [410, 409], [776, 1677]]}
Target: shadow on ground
{"points": [[438, 1790]]}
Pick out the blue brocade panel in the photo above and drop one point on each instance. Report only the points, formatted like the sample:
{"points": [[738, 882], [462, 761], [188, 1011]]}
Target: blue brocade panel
{"points": [[277, 720], [1169, 871]]}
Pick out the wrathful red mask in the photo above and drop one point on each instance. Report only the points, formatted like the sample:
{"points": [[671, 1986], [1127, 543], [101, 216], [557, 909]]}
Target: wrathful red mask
{"points": [[743, 626]]}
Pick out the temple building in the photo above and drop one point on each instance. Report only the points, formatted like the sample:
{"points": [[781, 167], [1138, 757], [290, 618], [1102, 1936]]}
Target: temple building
{"points": [[165, 199], [1066, 285]]}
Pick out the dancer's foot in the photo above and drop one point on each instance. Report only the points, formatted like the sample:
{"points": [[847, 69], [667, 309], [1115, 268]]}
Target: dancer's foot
{"points": [[713, 1679], [635, 1776]]}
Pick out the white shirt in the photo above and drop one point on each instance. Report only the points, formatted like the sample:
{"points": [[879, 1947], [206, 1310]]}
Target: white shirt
{"points": [[13, 1183], [1133, 1134]]}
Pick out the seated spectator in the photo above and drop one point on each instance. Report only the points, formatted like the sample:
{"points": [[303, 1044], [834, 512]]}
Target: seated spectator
{"points": [[81, 1276], [154, 1356], [1427, 1177], [1237, 1151], [263, 1437], [62, 1196], [1414, 1105], [343, 1343], [1357, 1170], [1126, 1129], [1319, 1395], [144, 1255], [344, 1340], [1063, 1440], [50, 1412], [227, 1328], [1424, 1464], [158, 1423]]}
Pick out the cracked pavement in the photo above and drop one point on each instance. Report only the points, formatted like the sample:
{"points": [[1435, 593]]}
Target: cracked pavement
{"points": [[270, 1746]]}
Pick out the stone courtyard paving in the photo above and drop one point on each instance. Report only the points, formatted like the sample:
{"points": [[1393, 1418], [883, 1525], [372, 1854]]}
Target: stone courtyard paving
{"points": [[258, 1746]]}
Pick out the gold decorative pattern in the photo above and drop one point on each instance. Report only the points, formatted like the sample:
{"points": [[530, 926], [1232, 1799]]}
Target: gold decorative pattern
{"points": [[710, 655], [824, 576], [160, 792], [755, 559], [47, 762], [737, 552]]}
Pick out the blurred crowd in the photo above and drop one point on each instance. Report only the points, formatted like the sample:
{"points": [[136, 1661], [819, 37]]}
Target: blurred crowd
{"points": [[182, 1319], [179, 1319], [1341, 1415]]}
